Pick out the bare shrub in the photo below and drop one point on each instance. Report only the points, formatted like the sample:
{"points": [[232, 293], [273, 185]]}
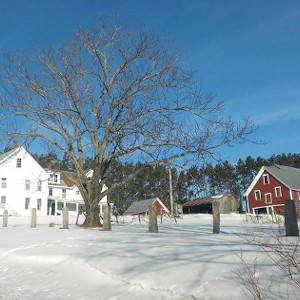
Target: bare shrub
{"points": [[248, 274], [277, 276]]}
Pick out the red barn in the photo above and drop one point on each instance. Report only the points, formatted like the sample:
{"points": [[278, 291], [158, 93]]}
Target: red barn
{"points": [[271, 187], [142, 207]]}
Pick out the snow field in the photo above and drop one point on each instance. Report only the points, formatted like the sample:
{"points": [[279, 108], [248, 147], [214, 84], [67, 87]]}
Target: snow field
{"points": [[183, 261]]}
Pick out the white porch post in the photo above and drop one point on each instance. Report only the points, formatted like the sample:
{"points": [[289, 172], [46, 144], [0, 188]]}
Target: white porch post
{"points": [[65, 204], [55, 209], [77, 206]]}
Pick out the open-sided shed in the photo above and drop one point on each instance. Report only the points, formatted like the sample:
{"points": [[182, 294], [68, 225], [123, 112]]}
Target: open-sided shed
{"points": [[228, 204]]}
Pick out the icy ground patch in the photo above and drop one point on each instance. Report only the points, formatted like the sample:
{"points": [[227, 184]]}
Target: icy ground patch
{"points": [[183, 261]]}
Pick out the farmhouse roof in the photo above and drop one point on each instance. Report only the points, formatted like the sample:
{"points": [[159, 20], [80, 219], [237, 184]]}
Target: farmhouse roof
{"points": [[288, 176], [68, 178], [203, 200], [142, 206], [6, 154]]}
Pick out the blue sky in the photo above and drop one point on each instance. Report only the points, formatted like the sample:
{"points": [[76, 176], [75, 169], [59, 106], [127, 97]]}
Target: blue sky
{"points": [[246, 52]]}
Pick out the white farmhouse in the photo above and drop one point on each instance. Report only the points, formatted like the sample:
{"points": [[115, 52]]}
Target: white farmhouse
{"points": [[25, 185], [63, 192]]}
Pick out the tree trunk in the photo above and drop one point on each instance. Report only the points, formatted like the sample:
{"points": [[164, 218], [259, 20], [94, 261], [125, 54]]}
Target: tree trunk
{"points": [[92, 218]]}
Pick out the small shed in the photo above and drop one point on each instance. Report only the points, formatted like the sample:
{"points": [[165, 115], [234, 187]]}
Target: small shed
{"points": [[228, 204], [142, 207]]}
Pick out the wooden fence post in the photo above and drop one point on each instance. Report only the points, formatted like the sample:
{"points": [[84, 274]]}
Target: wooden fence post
{"points": [[216, 216], [107, 218], [5, 218], [33, 218], [290, 219], [65, 213], [152, 219]]}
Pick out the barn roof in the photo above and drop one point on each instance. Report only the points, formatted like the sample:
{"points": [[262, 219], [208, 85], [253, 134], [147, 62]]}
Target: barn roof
{"points": [[139, 207], [203, 200], [287, 175]]}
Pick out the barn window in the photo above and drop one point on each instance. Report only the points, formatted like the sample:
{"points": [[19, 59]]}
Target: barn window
{"points": [[268, 198], [278, 192], [257, 195], [266, 179]]}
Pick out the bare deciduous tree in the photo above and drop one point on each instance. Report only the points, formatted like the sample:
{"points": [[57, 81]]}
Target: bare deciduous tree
{"points": [[112, 94]]}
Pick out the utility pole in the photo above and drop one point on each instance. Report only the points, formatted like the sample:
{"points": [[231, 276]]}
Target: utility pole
{"points": [[171, 191]]}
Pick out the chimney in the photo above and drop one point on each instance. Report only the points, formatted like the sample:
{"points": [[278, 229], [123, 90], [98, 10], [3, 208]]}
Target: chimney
{"points": [[15, 144], [49, 165]]}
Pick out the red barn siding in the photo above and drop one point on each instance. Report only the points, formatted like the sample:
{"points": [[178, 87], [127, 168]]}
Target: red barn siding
{"points": [[268, 189], [158, 208], [295, 195]]}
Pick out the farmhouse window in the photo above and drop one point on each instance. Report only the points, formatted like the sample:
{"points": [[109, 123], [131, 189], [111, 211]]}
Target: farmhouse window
{"points": [[3, 201], [3, 182], [268, 198], [39, 204], [278, 192], [64, 193], [257, 195], [19, 162], [27, 185], [50, 191], [55, 178], [39, 185], [27, 203], [266, 179]]}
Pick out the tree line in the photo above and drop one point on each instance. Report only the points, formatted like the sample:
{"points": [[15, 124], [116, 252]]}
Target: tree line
{"points": [[190, 183]]}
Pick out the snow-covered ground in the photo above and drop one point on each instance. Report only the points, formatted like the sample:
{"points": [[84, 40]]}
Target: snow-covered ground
{"points": [[182, 261]]}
